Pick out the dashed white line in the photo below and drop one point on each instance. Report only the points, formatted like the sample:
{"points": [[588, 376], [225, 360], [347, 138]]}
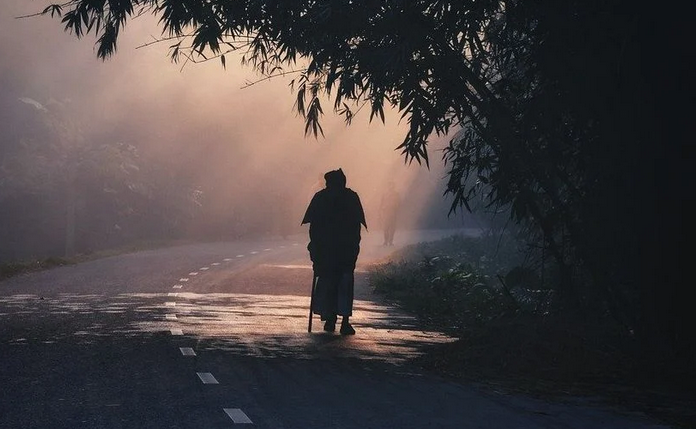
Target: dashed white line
{"points": [[187, 351], [203, 268], [170, 317], [193, 273], [184, 279], [228, 259], [266, 250], [207, 378], [177, 286], [240, 256], [176, 331], [215, 263], [237, 415], [295, 244], [254, 252]]}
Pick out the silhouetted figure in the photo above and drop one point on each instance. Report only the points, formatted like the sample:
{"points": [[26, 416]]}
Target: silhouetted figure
{"points": [[334, 216], [389, 209]]}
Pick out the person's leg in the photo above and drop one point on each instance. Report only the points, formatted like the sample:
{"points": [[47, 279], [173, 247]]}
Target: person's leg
{"points": [[345, 302], [346, 327], [325, 301], [330, 324], [391, 228]]}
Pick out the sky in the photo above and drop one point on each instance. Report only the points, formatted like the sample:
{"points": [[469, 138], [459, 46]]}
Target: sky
{"points": [[204, 121]]}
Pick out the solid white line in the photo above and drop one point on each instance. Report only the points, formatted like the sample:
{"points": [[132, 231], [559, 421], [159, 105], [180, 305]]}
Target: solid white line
{"points": [[237, 415], [187, 351], [176, 331], [207, 378], [173, 294], [170, 303], [177, 286], [170, 316]]}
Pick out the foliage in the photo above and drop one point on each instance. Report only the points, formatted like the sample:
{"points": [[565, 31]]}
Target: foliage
{"points": [[11, 269], [511, 334], [64, 191], [455, 283]]}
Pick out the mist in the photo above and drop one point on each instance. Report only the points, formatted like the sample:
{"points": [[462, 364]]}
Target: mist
{"points": [[137, 147]]}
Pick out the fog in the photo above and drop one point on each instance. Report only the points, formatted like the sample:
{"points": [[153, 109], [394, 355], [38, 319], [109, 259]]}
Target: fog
{"points": [[137, 147]]}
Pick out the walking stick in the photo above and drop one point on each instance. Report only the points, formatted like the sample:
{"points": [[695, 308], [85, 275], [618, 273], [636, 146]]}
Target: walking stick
{"points": [[311, 301]]}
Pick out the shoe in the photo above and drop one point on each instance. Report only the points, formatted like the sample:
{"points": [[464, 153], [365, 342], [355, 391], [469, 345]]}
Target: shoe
{"points": [[330, 325], [347, 329]]}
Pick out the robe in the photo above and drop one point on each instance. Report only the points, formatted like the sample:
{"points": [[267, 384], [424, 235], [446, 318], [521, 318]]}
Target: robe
{"points": [[335, 216]]}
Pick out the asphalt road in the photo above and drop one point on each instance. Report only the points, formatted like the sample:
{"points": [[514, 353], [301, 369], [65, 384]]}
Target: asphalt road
{"points": [[215, 335]]}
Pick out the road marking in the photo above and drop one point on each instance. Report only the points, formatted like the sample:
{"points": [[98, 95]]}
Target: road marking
{"points": [[170, 303], [187, 351], [240, 256], [177, 286], [215, 263], [207, 378], [173, 294], [203, 268], [228, 259], [237, 415], [254, 252], [193, 273], [183, 279], [266, 250], [176, 331], [294, 244], [170, 317]]}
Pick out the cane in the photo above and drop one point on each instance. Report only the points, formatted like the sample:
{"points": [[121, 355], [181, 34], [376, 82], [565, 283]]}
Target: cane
{"points": [[311, 302]]}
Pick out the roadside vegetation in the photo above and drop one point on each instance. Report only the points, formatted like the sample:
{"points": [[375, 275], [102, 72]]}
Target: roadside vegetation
{"points": [[14, 268], [513, 332], [11, 269]]}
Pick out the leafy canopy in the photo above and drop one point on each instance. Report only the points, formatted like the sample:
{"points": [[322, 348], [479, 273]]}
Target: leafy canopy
{"points": [[426, 58]]}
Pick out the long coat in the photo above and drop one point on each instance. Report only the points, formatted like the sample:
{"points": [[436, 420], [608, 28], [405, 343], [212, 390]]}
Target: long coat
{"points": [[335, 215]]}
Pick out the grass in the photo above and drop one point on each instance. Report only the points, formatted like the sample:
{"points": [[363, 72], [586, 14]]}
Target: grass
{"points": [[11, 269], [510, 338], [15, 268]]}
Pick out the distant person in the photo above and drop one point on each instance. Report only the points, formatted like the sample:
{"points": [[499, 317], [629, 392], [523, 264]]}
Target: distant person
{"points": [[335, 215], [389, 210]]}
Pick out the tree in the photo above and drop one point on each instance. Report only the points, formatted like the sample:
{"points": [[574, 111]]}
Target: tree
{"points": [[56, 177], [552, 105]]}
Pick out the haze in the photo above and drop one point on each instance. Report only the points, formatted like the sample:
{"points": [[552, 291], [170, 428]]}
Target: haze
{"points": [[199, 154]]}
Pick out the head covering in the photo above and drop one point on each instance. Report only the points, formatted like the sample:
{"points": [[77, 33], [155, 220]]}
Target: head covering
{"points": [[335, 179]]}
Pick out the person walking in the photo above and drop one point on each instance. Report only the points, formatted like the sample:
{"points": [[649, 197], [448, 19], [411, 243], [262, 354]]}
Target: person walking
{"points": [[389, 209], [335, 216]]}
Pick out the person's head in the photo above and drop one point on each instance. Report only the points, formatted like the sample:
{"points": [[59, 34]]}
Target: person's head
{"points": [[335, 179]]}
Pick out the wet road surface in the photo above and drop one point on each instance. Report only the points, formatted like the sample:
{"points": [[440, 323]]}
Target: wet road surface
{"points": [[215, 335]]}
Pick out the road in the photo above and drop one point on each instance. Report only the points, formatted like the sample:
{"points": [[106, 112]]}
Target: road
{"points": [[215, 335]]}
